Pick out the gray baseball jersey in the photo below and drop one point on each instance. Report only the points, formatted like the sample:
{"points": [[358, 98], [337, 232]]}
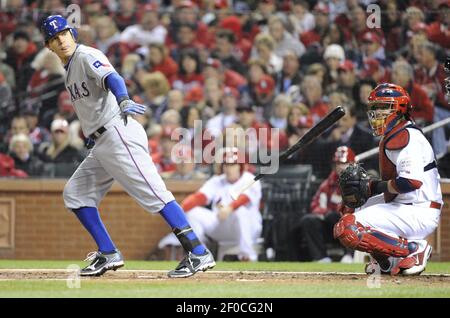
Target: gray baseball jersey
{"points": [[120, 153], [85, 81]]}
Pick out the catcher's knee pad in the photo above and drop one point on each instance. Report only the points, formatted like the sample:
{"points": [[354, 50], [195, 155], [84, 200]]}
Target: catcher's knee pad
{"points": [[354, 235]]}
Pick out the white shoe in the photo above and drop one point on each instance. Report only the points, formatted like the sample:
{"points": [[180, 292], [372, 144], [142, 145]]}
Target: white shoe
{"points": [[347, 259], [325, 260], [416, 262]]}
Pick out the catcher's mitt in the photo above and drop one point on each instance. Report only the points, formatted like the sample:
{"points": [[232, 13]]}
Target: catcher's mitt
{"points": [[355, 186]]}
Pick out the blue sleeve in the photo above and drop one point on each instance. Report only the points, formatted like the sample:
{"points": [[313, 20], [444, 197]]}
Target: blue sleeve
{"points": [[117, 86]]}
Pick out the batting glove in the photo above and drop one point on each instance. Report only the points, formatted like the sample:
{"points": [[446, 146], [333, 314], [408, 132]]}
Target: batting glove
{"points": [[129, 107]]}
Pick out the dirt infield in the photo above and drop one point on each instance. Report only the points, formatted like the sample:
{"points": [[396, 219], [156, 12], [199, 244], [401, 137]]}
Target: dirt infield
{"points": [[219, 276]]}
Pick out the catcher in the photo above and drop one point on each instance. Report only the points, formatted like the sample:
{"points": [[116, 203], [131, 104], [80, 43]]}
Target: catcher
{"points": [[393, 225]]}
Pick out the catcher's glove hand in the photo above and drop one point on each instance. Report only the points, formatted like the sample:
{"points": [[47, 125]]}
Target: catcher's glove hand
{"points": [[355, 186]]}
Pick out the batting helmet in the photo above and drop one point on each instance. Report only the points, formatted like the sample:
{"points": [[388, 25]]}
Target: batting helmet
{"points": [[386, 104], [344, 154], [54, 24], [232, 155]]}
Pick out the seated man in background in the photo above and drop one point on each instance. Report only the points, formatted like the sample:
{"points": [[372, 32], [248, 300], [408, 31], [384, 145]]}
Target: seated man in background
{"points": [[316, 228], [59, 150], [237, 221]]}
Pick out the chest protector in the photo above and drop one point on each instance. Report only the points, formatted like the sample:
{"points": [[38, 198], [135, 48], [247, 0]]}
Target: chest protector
{"points": [[396, 139]]}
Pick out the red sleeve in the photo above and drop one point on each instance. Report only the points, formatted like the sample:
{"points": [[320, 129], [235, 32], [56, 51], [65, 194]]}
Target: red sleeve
{"points": [[243, 199], [422, 106], [315, 203], [194, 200]]}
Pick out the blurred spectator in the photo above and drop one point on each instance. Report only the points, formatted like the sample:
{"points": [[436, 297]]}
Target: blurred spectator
{"points": [[7, 107], [300, 18], [189, 71], [284, 41], [67, 112], [298, 122], [7, 168], [313, 37], [316, 228], [213, 68], [18, 125], [438, 31], [107, 33], [163, 158], [155, 86], [38, 134], [21, 150], [312, 96], [19, 57], [347, 78], [175, 100], [281, 106], [185, 168], [372, 47], [423, 109], [365, 86], [45, 85], [431, 74], [263, 49], [7, 71], [334, 56], [159, 60], [213, 95], [289, 74], [373, 70], [148, 31], [392, 27], [334, 35], [261, 87], [240, 27], [127, 14], [86, 35], [225, 51], [227, 115], [59, 149]]}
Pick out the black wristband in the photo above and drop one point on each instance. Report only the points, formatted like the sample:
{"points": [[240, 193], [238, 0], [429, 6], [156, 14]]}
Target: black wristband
{"points": [[122, 98], [378, 186]]}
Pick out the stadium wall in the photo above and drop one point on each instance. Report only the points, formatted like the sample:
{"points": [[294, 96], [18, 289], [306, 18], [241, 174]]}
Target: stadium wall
{"points": [[35, 225]]}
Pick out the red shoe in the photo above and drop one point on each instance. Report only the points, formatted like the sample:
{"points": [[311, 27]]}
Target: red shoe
{"points": [[416, 262]]}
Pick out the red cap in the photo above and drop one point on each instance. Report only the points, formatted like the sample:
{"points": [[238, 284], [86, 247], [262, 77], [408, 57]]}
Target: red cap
{"points": [[371, 66], [231, 91], [322, 8], [344, 154], [194, 95], [347, 65], [213, 63], [371, 37], [233, 24], [265, 85]]}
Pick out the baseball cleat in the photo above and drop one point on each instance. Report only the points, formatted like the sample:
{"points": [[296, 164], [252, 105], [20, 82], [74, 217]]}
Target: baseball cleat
{"points": [[101, 262], [192, 264], [416, 262]]}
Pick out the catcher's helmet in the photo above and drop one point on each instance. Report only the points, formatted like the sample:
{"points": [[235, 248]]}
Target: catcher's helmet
{"points": [[344, 154], [386, 103], [54, 24]]}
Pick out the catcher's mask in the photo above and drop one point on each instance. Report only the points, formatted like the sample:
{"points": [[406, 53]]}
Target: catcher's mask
{"points": [[387, 103]]}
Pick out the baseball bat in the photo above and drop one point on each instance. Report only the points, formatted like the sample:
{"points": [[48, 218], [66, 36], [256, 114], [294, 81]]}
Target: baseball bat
{"points": [[329, 120]]}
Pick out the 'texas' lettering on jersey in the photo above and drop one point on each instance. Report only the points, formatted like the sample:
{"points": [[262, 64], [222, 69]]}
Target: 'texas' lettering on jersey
{"points": [[78, 91]]}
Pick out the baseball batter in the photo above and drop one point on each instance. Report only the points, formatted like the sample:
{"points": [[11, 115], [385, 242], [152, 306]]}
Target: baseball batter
{"points": [[118, 152], [392, 227], [238, 222]]}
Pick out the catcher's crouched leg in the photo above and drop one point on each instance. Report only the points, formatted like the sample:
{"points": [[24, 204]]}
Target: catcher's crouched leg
{"points": [[354, 235]]}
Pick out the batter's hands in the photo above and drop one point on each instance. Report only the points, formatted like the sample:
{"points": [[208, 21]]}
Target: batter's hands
{"points": [[129, 107], [224, 212]]}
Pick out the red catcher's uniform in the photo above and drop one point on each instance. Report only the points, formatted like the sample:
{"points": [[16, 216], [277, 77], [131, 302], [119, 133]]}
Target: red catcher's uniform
{"points": [[406, 153]]}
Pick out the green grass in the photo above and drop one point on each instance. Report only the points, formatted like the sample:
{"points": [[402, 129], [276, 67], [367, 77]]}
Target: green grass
{"points": [[101, 287], [438, 268]]}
